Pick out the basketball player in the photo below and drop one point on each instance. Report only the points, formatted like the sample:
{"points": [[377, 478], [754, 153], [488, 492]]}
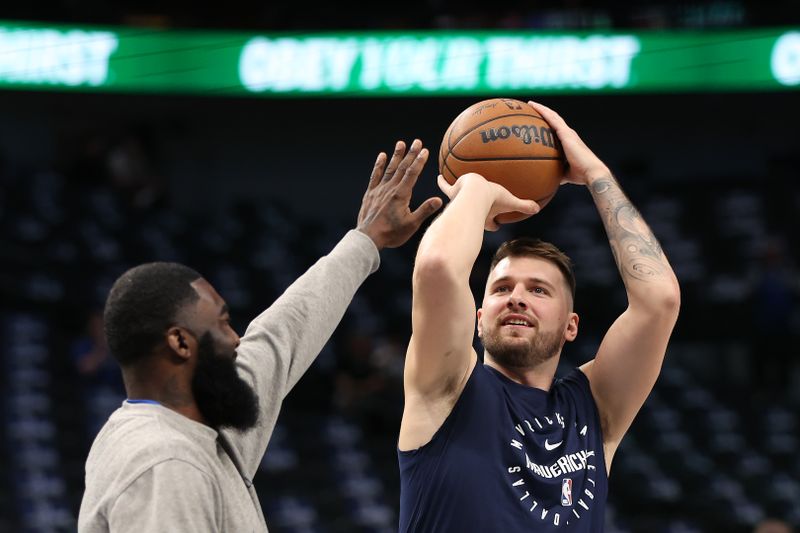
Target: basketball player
{"points": [[180, 453], [499, 445]]}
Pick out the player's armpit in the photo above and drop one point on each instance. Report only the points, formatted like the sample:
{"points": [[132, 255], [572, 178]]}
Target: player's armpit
{"points": [[440, 353]]}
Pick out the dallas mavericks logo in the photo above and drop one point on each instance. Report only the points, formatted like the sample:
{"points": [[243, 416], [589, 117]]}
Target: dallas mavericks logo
{"points": [[535, 476], [566, 492]]}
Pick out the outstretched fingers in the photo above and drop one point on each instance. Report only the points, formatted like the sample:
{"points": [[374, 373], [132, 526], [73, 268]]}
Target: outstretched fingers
{"points": [[410, 176], [397, 157], [377, 171], [411, 156]]}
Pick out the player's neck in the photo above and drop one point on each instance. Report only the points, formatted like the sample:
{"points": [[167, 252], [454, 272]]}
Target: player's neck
{"points": [[539, 376], [170, 391]]}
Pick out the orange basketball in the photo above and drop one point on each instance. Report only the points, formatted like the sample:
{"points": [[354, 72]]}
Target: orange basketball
{"points": [[508, 142]]}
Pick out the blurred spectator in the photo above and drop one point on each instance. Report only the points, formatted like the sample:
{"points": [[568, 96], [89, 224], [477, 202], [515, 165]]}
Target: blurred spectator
{"points": [[357, 377], [86, 161], [101, 381], [126, 161], [773, 526], [91, 351], [367, 386], [132, 170], [774, 294]]}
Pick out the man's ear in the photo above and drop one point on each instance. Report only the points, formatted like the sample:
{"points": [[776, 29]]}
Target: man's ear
{"points": [[571, 331], [480, 329], [178, 341]]}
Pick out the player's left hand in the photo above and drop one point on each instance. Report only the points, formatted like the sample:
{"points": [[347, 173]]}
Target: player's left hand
{"points": [[385, 214], [503, 201]]}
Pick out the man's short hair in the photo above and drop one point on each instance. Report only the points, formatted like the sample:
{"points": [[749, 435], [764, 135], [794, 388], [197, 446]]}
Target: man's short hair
{"points": [[532, 247], [142, 305]]}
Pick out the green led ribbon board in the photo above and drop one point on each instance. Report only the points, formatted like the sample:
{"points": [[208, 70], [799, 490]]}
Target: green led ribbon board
{"points": [[389, 64]]}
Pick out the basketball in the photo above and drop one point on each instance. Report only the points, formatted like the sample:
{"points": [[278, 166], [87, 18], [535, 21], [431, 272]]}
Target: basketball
{"points": [[508, 142]]}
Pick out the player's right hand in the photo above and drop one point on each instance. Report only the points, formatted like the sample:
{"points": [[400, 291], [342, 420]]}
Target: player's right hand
{"points": [[502, 200], [584, 165]]}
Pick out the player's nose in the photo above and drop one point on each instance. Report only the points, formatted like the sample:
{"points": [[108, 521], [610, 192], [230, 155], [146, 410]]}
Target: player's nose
{"points": [[515, 299]]}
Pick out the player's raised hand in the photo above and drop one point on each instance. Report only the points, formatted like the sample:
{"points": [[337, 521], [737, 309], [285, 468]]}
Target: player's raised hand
{"points": [[385, 214], [584, 166]]}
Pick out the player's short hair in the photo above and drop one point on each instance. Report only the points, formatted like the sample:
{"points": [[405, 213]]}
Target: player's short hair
{"points": [[533, 247], [142, 305]]}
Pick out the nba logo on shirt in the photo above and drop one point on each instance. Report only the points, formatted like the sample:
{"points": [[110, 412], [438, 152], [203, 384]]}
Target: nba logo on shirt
{"points": [[566, 492]]}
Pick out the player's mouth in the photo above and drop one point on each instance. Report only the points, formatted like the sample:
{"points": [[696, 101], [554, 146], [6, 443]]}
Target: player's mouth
{"points": [[516, 321]]}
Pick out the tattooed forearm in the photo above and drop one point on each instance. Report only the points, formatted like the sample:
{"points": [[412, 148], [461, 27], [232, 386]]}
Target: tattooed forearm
{"points": [[637, 252]]}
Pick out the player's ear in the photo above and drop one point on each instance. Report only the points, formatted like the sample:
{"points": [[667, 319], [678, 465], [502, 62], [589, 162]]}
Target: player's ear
{"points": [[480, 328], [571, 331], [179, 342]]}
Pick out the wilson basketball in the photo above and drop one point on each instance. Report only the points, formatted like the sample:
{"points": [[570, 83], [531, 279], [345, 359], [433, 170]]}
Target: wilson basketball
{"points": [[508, 142]]}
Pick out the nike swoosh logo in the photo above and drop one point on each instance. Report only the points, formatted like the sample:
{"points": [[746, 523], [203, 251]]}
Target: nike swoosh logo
{"points": [[550, 447]]}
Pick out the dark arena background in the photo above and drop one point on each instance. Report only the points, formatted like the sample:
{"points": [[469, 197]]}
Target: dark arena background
{"points": [[251, 188]]}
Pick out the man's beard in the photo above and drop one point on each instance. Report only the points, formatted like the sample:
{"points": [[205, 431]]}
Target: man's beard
{"points": [[224, 398], [515, 354]]}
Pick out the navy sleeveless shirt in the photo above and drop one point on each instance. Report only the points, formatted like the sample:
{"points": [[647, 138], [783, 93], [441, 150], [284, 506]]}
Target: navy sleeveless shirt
{"points": [[509, 458]]}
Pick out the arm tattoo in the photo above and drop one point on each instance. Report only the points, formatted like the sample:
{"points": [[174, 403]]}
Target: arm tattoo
{"points": [[636, 251]]}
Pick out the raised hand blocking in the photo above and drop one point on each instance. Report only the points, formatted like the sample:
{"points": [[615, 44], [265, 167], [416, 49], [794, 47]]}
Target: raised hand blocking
{"points": [[385, 215]]}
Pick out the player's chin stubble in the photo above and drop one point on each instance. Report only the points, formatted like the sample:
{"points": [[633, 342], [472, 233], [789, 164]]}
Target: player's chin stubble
{"points": [[516, 354]]}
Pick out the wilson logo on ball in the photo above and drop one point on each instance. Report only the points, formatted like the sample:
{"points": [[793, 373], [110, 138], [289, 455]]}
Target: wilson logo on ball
{"points": [[526, 134], [509, 143]]}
